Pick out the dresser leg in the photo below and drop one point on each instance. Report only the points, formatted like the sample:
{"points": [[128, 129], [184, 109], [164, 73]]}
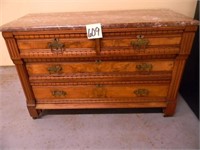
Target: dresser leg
{"points": [[34, 113], [170, 109]]}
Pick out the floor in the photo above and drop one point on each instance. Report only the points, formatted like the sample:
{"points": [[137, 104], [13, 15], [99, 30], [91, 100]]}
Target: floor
{"points": [[90, 129]]}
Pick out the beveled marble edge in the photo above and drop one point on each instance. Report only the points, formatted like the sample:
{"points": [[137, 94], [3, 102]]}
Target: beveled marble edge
{"points": [[108, 19], [76, 27]]}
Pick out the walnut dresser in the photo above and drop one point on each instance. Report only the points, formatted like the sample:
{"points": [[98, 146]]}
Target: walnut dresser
{"points": [[137, 64]]}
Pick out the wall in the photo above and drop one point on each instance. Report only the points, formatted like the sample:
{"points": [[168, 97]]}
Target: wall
{"points": [[13, 9]]}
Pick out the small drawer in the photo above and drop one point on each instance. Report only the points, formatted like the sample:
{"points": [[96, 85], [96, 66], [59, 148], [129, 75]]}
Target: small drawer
{"points": [[141, 45], [62, 69], [55, 45], [141, 41], [81, 92]]}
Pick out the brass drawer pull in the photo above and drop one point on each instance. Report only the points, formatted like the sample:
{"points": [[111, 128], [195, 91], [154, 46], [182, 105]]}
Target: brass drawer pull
{"points": [[140, 43], [56, 69], [58, 93], [56, 46], [144, 67], [141, 92]]}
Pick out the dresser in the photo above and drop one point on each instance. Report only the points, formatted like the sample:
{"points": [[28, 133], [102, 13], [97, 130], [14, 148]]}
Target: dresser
{"points": [[138, 63]]}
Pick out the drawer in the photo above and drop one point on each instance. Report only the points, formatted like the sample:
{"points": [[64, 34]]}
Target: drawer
{"points": [[55, 45], [62, 69], [137, 43], [141, 45], [141, 42], [82, 92]]}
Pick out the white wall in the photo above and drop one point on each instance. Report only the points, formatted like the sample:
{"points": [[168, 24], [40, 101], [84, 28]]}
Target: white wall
{"points": [[13, 9]]}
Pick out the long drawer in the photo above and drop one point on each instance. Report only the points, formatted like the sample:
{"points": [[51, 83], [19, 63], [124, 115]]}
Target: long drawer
{"points": [[60, 94], [62, 69]]}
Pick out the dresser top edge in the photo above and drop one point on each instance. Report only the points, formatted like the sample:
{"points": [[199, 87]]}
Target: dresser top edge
{"points": [[108, 19]]}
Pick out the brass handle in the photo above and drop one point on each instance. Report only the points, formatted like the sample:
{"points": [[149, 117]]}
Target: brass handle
{"points": [[140, 43], [55, 69], [56, 46], [144, 67], [141, 92], [58, 93]]}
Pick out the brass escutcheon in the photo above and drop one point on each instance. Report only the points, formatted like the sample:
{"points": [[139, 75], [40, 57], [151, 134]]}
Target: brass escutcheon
{"points": [[55, 69], [140, 43], [58, 93], [56, 46], [144, 67], [141, 92]]}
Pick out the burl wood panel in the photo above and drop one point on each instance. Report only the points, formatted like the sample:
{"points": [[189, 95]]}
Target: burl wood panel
{"points": [[98, 91], [44, 43], [98, 67], [123, 42]]}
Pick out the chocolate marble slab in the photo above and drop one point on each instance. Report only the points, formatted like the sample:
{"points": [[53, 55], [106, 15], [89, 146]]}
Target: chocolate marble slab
{"points": [[111, 19]]}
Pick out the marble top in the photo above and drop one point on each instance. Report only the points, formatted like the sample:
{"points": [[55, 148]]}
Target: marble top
{"points": [[108, 19]]}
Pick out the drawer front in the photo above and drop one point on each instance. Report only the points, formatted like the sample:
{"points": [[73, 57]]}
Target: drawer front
{"points": [[43, 93], [141, 43], [55, 45], [97, 67]]}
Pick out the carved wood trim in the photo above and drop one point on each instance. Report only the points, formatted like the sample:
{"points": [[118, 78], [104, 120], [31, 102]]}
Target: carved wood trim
{"points": [[98, 46], [176, 78], [146, 33], [11, 45], [111, 31], [76, 59], [164, 82], [21, 69], [186, 43], [106, 34], [182, 57], [191, 28], [118, 53], [50, 36], [17, 61], [101, 75], [133, 77], [102, 100]]}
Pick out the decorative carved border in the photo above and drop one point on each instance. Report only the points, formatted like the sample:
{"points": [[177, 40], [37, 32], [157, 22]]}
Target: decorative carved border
{"points": [[107, 33], [165, 82], [100, 100], [105, 55], [51, 36], [167, 75], [103, 75]]}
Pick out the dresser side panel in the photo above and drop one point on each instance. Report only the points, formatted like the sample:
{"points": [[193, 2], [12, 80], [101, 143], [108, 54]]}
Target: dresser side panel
{"points": [[180, 61], [22, 72]]}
